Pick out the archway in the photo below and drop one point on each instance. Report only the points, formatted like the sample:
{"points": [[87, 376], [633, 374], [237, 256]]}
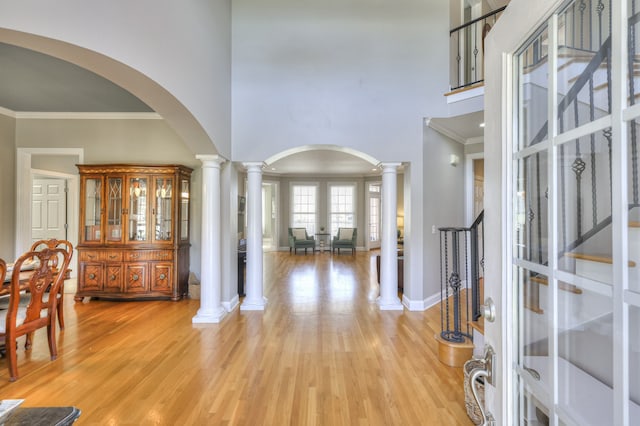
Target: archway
{"points": [[159, 99], [323, 198]]}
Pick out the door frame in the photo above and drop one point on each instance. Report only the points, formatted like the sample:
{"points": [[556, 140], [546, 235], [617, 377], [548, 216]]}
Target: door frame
{"points": [[367, 209], [45, 175], [24, 174], [469, 186], [275, 239]]}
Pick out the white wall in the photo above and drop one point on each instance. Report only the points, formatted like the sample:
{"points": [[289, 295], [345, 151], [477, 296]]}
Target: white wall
{"points": [[55, 163], [175, 56], [358, 74], [7, 187], [108, 141], [444, 205]]}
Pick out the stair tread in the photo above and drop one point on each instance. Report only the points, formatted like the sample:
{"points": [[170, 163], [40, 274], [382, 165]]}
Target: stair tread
{"points": [[535, 309], [595, 258], [561, 285], [478, 325]]}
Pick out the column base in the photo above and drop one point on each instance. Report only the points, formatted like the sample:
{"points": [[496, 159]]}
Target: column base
{"points": [[211, 317], [254, 305], [390, 305]]}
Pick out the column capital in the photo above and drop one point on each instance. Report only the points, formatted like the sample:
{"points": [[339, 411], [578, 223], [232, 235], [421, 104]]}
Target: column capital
{"points": [[211, 160], [254, 166], [387, 167]]}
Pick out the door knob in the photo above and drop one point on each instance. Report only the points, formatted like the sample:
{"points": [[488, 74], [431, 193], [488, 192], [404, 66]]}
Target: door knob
{"points": [[488, 310]]}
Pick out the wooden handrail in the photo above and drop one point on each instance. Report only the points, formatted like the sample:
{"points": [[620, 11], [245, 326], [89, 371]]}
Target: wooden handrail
{"points": [[485, 16]]}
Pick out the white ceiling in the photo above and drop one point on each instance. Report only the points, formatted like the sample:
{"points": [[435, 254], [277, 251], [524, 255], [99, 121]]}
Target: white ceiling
{"points": [[464, 128], [320, 163], [35, 82]]}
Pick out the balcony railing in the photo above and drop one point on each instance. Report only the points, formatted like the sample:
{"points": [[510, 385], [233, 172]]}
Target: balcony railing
{"points": [[467, 50]]}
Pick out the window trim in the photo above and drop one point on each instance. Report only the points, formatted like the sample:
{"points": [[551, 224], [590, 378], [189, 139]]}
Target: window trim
{"points": [[351, 184], [316, 186]]}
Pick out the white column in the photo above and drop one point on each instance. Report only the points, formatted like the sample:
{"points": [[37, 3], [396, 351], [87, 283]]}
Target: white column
{"points": [[211, 309], [389, 300], [254, 300]]}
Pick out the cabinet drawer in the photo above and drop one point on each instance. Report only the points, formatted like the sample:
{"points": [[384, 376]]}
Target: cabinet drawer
{"points": [[144, 255], [112, 256], [90, 255], [162, 255], [138, 255]]}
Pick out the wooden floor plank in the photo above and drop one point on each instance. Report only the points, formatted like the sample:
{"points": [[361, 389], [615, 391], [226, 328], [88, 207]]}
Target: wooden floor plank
{"points": [[322, 353]]}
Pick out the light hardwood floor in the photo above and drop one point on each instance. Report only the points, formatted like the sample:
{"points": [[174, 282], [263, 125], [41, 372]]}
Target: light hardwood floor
{"points": [[322, 353]]}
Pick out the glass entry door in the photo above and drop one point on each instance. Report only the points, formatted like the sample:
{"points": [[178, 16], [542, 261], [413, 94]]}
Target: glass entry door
{"points": [[576, 343]]}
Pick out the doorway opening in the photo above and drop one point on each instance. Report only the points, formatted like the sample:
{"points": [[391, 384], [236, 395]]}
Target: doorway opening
{"points": [[54, 163], [374, 212], [270, 216], [49, 207]]}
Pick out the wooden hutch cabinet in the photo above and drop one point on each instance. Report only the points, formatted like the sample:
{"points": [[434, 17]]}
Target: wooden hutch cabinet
{"points": [[134, 231]]}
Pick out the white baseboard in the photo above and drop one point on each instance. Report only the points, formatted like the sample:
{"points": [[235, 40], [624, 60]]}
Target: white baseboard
{"points": [[286, 248], [421, 305], [232, 304]]}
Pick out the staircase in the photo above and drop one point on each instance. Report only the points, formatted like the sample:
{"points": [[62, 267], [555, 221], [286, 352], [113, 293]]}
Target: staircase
{"points": [[584, 210], [461, 290]]}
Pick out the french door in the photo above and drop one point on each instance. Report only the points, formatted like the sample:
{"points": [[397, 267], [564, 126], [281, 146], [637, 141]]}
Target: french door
{"points": [[574, 282]]}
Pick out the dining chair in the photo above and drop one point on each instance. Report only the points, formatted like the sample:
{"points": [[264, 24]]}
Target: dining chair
{"points": [[51, 244], [3, 270], [41, 310]]}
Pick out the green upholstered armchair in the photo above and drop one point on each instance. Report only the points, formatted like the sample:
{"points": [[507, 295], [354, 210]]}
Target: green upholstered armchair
{"points": [[345, 239], [298, 238]]}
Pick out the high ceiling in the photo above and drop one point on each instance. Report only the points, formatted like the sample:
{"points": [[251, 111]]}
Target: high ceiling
{"points": [[34, 82]]}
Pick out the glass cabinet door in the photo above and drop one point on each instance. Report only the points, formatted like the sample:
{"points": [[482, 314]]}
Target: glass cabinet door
{"points": [[114, 209], [92, 209], [163, 228], [138, 189], [184, 209]]}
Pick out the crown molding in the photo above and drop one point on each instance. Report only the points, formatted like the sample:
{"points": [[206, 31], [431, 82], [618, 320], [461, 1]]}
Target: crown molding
{"points": [[88, 115], [7, 112], [80, 115], [448, 133], [473, 141]]}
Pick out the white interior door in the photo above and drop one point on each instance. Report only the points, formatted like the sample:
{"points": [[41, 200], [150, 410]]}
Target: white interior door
{"points": [[48, 209]]}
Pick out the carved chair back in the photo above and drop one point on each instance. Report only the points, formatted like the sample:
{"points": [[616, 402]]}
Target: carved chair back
{"points": [[40, 310]]}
